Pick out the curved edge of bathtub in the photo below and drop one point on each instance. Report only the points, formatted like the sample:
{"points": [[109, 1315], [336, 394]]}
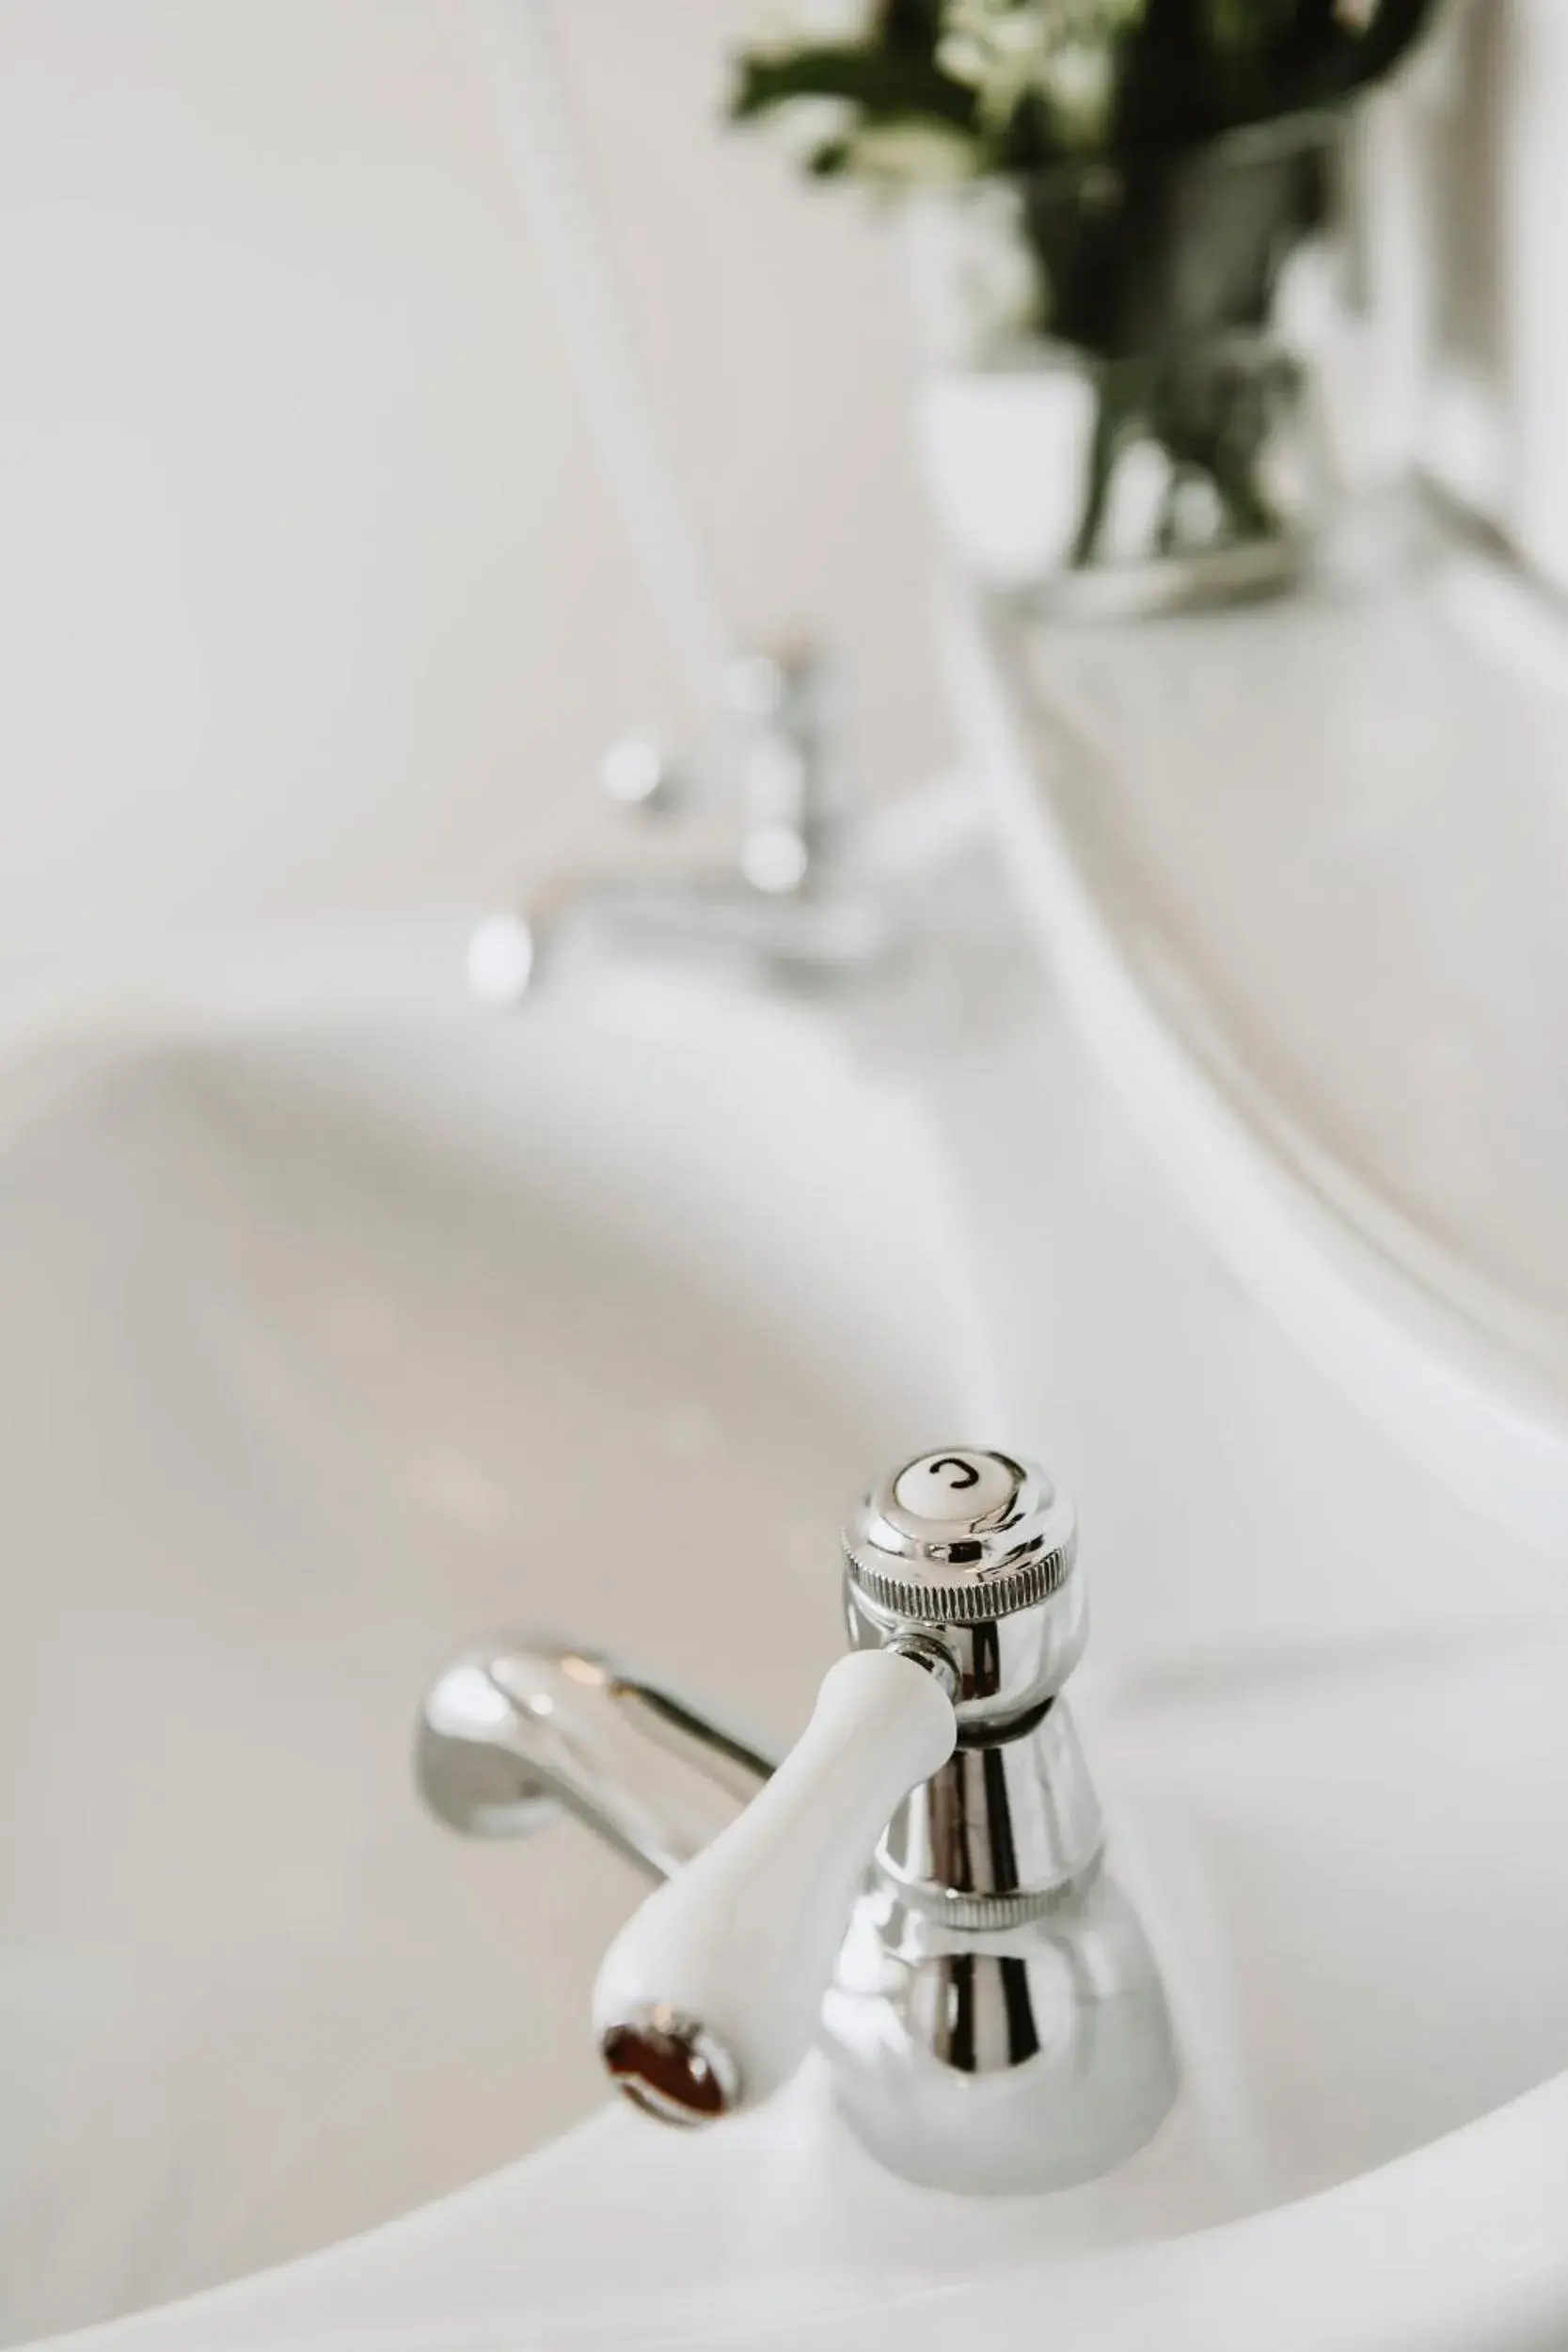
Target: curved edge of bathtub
{"points": [[1452, 1399]]}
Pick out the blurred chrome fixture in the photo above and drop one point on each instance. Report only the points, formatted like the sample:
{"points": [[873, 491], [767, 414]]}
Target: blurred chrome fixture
{"points": [[919, 1886], [787, 898]]}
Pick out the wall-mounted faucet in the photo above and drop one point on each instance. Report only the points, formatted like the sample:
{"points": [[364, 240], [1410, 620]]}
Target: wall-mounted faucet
{"points": [[919, 1887], [788, 899]]}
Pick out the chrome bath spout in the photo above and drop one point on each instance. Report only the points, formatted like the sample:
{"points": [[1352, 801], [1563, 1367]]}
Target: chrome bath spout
{"points": [[519, 1728]]}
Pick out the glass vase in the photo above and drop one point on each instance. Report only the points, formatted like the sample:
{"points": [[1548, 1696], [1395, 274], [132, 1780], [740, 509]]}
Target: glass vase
{"points": [[1148, 383]]}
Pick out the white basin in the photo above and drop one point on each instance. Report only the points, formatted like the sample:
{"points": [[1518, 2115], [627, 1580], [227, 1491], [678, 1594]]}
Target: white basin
{"points": [[322, 1349], [338, 1322]]}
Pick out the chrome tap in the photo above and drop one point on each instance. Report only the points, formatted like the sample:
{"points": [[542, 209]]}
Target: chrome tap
{"points": [[790, 898], [920, 1887]]}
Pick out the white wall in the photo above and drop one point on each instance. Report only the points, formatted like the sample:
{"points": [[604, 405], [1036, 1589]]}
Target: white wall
{"points": [[1496, 110], [1530, 280], [309, 594]]}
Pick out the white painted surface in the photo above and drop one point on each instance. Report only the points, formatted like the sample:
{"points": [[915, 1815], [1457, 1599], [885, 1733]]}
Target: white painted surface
{"points": [[1531, 263], [309, 592], [1493, 107]]}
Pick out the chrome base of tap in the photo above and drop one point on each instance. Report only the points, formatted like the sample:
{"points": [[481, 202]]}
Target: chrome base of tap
{"points": [[1000, 2062]]}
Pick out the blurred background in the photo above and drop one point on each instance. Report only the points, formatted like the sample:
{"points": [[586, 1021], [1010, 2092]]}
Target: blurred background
{"points": [[310, 592]]}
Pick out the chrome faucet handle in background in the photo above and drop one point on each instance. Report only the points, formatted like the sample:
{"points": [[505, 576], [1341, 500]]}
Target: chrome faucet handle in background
{"points": [[787, 898], [771, 750]]}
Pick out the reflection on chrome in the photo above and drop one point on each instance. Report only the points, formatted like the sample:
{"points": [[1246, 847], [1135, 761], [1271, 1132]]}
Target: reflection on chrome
{"points": [[995, 2020]]}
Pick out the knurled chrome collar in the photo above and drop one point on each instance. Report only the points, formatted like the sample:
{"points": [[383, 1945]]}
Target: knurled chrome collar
{"points": [[961, 1539]]}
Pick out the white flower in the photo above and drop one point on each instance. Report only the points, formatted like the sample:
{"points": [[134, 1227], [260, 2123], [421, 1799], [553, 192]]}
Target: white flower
{"points": [[1079, 78], [1063, 50], [779, 28], [912, 154], [806, 128]]}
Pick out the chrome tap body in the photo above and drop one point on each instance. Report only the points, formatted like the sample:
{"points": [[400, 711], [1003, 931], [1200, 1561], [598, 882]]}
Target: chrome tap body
{"points": [[996, 2021]]}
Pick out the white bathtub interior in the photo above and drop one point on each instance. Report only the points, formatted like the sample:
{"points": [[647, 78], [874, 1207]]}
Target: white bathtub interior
{"points": [[326, 1342], [317, 1355]]}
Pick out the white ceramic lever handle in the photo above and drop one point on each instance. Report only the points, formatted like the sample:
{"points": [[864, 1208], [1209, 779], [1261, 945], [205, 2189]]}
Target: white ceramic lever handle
{"points": [[734, 1953]]}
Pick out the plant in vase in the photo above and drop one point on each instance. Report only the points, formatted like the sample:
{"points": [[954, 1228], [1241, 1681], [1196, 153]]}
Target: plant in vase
{"points": [[1124, 184]]}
